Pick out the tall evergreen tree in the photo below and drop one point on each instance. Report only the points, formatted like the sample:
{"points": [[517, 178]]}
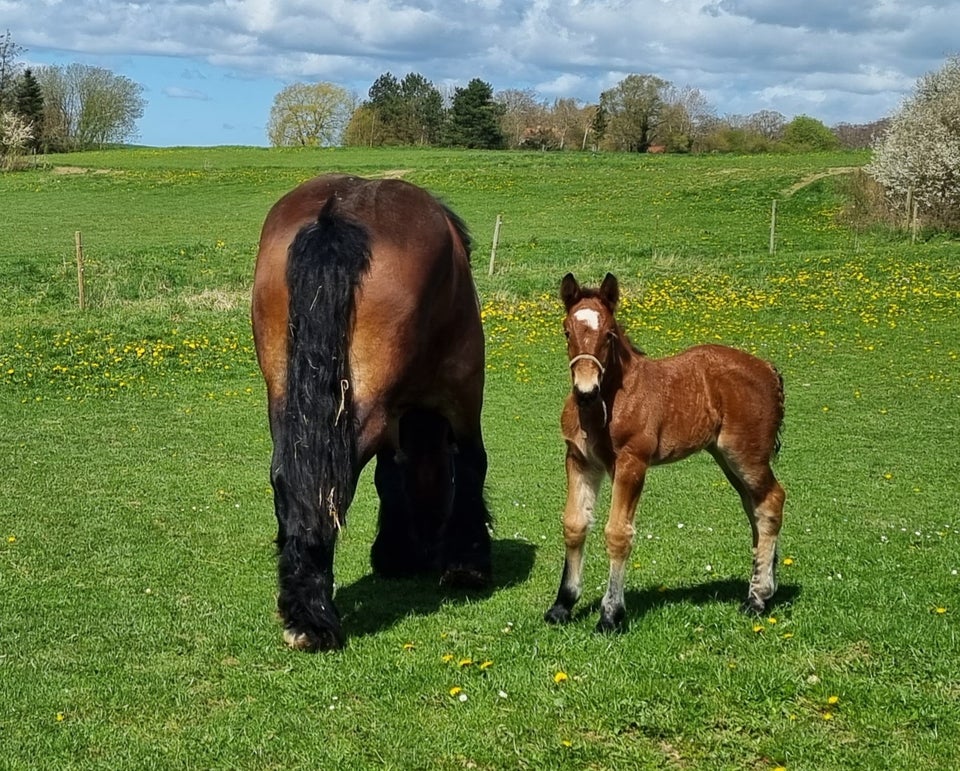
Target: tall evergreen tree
{"points": [[422, 110], [474, 118], [387, 105], [29, 106]]}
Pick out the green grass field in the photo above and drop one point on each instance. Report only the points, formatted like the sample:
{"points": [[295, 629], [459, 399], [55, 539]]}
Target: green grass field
{"points": [[137, 574]]}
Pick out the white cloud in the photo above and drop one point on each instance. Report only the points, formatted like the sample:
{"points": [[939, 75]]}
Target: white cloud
{"points": [[850, 61], [175, 92]]}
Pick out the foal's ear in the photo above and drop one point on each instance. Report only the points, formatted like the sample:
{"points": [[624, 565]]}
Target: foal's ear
{"points": [[569, 291], [610, 291]]}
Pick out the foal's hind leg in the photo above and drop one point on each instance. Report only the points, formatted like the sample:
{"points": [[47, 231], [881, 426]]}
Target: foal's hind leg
{"points": [[762, 497], [583, 482]]}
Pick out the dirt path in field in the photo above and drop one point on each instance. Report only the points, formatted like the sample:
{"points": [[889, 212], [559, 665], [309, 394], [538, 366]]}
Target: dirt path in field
{"points": [[811, 178]]}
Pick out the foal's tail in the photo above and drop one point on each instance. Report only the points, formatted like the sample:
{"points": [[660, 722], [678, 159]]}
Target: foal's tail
{"points": [[325, 265], [778, 442]]}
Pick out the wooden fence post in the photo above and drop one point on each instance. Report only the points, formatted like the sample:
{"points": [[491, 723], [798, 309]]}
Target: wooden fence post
{"points": [[773, 227], [78, 238], [496, 240]]}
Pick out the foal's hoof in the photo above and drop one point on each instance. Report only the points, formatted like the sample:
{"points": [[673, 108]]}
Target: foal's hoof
{"points": [[558, 614], [612, 623], [753, 606], [326, 640]]}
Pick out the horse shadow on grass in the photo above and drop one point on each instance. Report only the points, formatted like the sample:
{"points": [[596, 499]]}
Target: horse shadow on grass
{"points": [[372, 604], [639, 602]]}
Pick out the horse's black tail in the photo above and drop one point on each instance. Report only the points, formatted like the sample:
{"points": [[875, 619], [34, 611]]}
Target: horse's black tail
{"points": [[318, 439]]}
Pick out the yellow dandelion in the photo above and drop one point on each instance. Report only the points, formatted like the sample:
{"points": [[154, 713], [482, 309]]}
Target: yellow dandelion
{"points": [[780, 768], [940, 610], [771, 620], [788, 561], [566, 743], [486, 664], [446, 658], [560, 677], [831, 700], [60, 717], [456, 690], [758, 628], [409, 646], [828, 716], [11, 539], [787, 635], [888, 475], [464, 662]]}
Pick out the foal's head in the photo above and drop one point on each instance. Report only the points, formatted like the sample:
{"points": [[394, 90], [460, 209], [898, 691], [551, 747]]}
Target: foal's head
{"points": [[591, 333]]}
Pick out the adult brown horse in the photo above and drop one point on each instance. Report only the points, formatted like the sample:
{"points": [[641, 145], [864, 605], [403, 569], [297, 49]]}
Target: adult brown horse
{"points": [[628, 412], [367, 330]]}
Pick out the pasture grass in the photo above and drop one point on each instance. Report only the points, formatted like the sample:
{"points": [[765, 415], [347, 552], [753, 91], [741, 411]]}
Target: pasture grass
{"points": [[137, 576]]}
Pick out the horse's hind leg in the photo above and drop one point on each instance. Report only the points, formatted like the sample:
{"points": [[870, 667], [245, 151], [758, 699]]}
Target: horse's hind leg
{"points": [[305, 567], [762, 497], [583, 483], [465, 539], [415, 485], [395, 552]]}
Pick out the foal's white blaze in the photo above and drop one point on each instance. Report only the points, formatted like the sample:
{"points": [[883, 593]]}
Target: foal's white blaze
{"points": [[589, 317]]}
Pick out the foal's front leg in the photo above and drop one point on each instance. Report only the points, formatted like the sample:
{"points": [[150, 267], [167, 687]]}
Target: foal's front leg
{"points": [[628, 480], [583, 482]]}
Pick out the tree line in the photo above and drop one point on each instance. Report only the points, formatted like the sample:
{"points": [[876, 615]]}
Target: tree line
{"points": [[642, 113], [62, 108]]}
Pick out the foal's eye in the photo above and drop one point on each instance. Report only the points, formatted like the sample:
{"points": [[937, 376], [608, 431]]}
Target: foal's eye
{"points": [[566, 333]]}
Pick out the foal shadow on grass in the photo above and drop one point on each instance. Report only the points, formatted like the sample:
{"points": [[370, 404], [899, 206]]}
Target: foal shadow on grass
{"points": [[731, 591], [373, 604]]}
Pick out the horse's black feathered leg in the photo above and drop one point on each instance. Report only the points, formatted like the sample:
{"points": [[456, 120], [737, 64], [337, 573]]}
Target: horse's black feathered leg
{"points": [[466, 547]]}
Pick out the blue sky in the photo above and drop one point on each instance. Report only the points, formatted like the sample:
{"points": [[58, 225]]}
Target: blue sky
{"points": [[211, 68]]}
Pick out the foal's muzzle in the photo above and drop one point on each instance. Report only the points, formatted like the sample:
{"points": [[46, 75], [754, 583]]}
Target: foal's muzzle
{"points": [[586, 379]]}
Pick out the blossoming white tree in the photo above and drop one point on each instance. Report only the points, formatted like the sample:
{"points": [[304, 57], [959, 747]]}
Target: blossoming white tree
{"points": [[918, 158], [15, 134]]}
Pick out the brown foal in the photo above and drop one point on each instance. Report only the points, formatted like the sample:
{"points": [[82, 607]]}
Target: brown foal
{"points": [[628, 412]]}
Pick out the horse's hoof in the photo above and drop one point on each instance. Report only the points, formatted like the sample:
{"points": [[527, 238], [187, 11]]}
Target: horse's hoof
{"points": [[464, 577], [558, 614], [311, 643]]}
